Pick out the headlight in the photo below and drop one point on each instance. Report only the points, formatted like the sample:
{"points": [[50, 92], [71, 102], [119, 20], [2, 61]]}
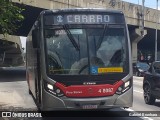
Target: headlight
{"points": [[124, 87], [53, 90], [49, 86]]}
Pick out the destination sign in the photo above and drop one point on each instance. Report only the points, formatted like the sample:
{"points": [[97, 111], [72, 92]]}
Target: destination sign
{"points": [[83, 19]]}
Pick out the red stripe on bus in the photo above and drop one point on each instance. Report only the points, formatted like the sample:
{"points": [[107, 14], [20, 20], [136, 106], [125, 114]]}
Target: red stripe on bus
{"points": [[89, 90]]}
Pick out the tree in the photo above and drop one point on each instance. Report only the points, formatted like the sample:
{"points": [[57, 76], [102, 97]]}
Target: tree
{"points": [[10, 16]]}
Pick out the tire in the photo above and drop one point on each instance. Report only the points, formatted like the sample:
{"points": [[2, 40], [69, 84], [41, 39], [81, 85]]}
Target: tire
{"points": [[148, 97]]}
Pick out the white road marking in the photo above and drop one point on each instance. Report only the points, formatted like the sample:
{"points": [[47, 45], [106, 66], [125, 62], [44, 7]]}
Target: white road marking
{"points": [[138, 91], [144, 118]]}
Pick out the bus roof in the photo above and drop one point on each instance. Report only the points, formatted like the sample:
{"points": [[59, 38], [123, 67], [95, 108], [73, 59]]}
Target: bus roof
{"points": [[72, 10]]}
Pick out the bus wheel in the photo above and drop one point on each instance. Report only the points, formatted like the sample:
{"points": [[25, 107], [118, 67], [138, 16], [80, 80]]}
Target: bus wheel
{"points": [[148, 97]]}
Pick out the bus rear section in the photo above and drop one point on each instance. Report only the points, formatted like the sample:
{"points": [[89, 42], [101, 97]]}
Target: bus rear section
{"points": [[85, 60]]}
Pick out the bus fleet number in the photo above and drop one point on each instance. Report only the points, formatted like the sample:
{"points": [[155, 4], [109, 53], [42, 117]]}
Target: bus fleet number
{"points": [[105, 90]]}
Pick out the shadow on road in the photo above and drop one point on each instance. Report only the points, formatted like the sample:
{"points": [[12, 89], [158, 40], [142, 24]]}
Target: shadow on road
{"points": [[10, 74]]}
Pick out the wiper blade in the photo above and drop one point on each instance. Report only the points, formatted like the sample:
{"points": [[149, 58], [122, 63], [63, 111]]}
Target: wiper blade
{"points": [[71, 38], [101, 38]]}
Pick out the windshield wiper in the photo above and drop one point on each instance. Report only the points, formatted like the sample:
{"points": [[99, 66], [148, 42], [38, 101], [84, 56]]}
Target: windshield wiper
{"points": [[101, 38], [71, 38]]}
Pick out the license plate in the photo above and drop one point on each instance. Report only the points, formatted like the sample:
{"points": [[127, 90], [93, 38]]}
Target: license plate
{"points": [[89, 106]]}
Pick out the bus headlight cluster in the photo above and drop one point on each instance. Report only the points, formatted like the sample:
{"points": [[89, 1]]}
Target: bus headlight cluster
{"points": [[124, 87], [49, 86], [53, 90]]}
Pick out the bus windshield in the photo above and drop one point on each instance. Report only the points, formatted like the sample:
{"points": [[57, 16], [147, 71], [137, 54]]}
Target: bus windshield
{"points": [[86, 50]]}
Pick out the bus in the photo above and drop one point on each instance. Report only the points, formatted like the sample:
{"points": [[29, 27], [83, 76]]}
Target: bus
{"points": [[79, 59]]}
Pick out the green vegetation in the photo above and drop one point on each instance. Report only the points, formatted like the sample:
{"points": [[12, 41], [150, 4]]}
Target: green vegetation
{"points": [[10, 16]]}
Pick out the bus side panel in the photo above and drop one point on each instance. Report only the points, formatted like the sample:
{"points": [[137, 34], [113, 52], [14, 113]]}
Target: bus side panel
{"points": [[31, 65]]}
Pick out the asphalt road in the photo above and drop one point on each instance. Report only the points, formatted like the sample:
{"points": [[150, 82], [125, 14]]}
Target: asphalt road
{"points": [[14, 90], [14, 96]]}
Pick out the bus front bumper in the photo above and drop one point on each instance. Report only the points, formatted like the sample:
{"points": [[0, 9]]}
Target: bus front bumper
{"points": [[51, 102]]}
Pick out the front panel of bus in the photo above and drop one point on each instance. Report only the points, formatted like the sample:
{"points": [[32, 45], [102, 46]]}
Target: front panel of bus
{"points": [[87, 60]]}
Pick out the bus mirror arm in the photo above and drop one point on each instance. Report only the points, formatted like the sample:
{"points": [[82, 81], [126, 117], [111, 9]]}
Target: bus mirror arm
{"points": [[35, 38]]}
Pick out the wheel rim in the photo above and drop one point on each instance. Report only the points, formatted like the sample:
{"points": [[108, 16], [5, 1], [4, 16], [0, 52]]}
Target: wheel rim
{"points": [[147, 93]]}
